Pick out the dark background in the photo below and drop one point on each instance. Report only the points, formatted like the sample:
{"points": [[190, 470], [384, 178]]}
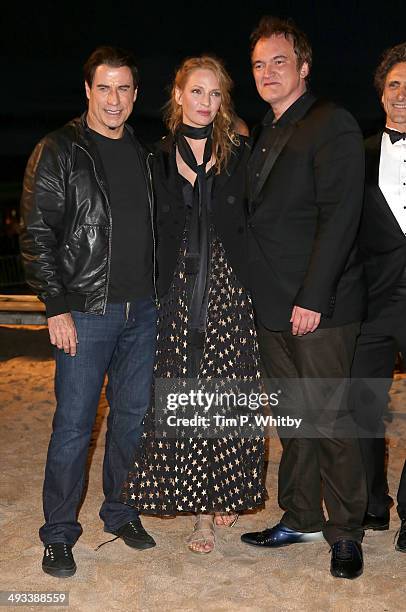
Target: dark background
{"points": [[44, 45]]}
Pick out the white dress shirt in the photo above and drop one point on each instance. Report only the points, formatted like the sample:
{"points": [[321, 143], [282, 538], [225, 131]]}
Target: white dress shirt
{"points": [[392, 177]]}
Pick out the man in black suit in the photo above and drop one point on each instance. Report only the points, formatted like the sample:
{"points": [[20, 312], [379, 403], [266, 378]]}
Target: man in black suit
{"points": [[383, 246], [306, 183]]}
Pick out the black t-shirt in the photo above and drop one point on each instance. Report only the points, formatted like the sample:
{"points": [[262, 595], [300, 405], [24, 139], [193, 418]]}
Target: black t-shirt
{"points": [[132, 249]]}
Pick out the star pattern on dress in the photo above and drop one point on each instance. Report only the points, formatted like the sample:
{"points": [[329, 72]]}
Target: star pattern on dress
{"points": [[197, 474]]}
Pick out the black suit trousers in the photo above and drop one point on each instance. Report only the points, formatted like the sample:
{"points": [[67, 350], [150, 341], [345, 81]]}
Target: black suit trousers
{"points": [[380, 339], [323, 465]]}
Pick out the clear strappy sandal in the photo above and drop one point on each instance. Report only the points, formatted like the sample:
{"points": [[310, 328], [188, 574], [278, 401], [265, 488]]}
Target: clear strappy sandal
{"points": [[233, 518], [203, 535]]}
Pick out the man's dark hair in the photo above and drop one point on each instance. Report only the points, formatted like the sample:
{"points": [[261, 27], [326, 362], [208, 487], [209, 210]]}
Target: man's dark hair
{"points": [[391, 56], [111, 56], [271, 26]]}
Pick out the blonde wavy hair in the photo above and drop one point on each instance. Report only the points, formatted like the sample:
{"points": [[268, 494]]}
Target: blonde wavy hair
{"points": [[223, 135]]}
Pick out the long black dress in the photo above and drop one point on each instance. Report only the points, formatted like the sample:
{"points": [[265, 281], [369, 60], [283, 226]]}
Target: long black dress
{"points": [[224, 472]]}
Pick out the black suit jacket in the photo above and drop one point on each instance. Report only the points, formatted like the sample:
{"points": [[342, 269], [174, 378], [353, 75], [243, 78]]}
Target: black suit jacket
{"points": [[304, 215], [228, 210], [382, 242]]}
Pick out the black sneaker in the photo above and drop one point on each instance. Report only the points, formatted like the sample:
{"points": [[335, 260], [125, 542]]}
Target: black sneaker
{"points": [[134, 535], [58, 560]]}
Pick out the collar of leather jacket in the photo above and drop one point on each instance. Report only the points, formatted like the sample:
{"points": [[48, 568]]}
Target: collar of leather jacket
{"points": [[83, 138]]}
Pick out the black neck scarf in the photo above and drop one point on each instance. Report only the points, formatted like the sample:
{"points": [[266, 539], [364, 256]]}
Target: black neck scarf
{"points": [[197, 256]]}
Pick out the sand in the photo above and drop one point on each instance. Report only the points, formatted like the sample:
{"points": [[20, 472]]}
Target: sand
{"points": [[235, 577]]}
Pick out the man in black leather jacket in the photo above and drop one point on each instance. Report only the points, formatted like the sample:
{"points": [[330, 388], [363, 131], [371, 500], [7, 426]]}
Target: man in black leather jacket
{"points": [[87, 244]]}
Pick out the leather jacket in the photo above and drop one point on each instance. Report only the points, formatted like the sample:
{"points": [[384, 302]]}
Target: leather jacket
{"points": [[66, 220]]}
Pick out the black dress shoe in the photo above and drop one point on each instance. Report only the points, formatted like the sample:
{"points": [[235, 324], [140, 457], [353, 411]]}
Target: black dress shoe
{"points": [[134, 535], [401, 542], [375, 522], [346, 559], [280, 535], [58, 560]]}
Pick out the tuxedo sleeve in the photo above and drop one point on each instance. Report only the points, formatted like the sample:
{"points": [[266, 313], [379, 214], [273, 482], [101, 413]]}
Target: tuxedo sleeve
{"points": [[339, 169]]}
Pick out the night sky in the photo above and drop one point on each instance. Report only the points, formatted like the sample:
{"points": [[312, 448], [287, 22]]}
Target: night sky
{"points": [[44, 45]]}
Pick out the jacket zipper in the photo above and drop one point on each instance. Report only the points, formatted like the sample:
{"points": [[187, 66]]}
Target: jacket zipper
{"points": [[111, 225], [150, 194], [151, 213]]}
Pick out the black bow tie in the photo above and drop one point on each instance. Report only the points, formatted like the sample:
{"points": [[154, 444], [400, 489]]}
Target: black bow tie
{"points": [[394, 135]]}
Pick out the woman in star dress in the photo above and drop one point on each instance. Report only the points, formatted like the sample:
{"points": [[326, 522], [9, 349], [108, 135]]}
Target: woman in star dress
{"points": [[206, 326]]}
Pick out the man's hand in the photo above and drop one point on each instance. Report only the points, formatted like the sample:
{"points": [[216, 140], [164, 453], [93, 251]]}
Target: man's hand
{"points": [[62, 332], [304, 320]]}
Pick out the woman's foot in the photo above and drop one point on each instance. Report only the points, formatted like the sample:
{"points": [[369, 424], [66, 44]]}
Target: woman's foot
{"points": [[225, 519], [202, 538]]}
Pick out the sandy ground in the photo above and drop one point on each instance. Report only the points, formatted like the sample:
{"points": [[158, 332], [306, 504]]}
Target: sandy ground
{"points": [[235, 577]]}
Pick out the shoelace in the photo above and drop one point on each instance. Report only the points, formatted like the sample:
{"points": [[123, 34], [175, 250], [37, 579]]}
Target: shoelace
{"points": [[106, 542], [344, 550], [134, 527], [117, 537], [50, 551]]}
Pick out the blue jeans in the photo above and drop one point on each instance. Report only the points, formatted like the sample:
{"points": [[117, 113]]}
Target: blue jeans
{"points": [[120, 343]]}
